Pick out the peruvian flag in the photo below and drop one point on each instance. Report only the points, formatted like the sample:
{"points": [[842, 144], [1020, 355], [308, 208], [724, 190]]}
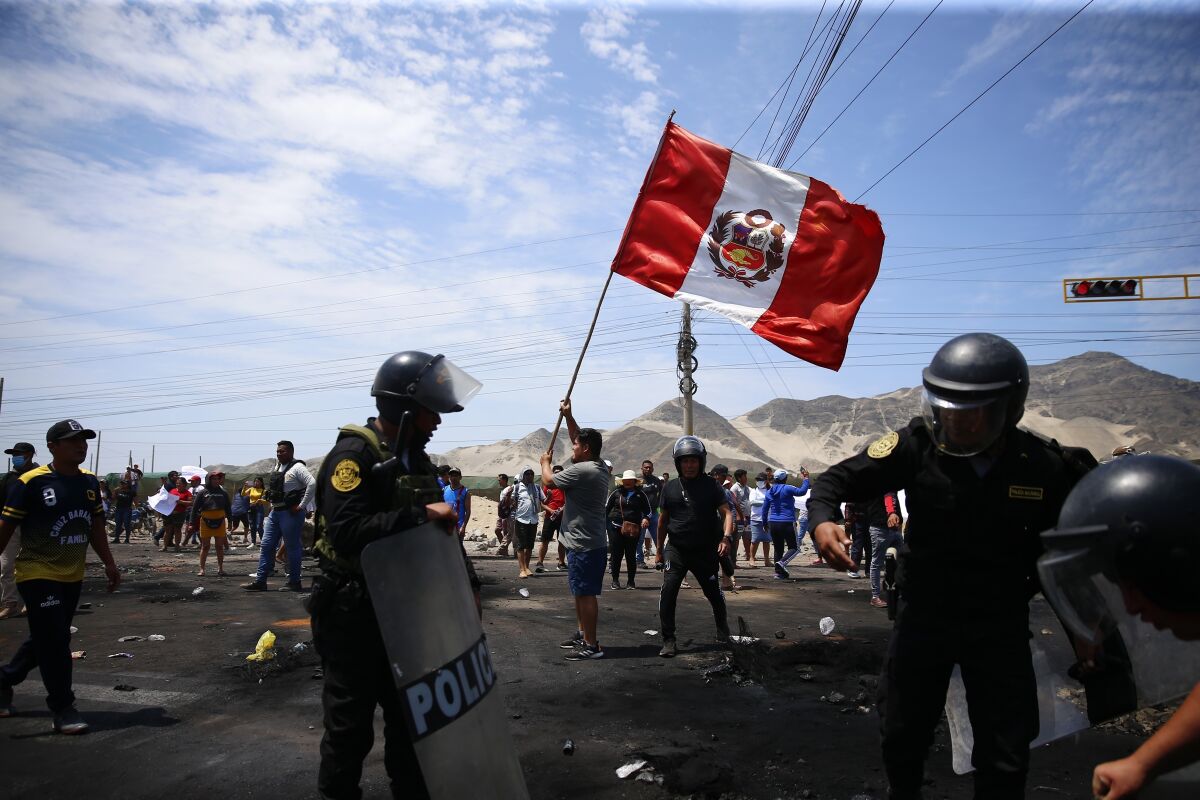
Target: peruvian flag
{"points": [[779, 252]]}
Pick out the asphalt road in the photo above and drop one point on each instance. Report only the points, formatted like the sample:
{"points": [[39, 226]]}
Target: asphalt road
{"points": [[191, 719]]}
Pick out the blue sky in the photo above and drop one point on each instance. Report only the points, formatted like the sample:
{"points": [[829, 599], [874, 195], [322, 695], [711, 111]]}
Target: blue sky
{"points": [[216, 221]]}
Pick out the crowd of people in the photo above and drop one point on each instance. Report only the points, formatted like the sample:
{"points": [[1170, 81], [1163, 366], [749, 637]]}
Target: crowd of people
{"points": [[971, 479]]}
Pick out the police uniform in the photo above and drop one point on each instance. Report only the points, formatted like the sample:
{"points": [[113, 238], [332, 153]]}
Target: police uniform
{"points": [[966, 574], [355, 509]]}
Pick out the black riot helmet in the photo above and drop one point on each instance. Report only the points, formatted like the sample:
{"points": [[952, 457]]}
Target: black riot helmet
{"points": [[1134, 521], [975, 390], [689, 446], [416, 378]]}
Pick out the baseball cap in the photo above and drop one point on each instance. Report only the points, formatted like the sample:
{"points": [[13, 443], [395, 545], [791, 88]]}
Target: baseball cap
{"points": [[780, 475], [194, 479], [20, 447], [68, 429]]}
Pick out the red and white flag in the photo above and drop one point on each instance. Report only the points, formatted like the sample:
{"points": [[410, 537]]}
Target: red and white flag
{"points": [[781, 253]]}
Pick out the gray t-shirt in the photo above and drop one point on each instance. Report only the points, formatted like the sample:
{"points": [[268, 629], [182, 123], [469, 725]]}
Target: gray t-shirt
{"points": [[585, 486]]}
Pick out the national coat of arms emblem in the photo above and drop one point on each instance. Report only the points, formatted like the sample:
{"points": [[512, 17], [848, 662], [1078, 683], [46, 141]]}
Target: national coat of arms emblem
{"points": [[746, 247]]}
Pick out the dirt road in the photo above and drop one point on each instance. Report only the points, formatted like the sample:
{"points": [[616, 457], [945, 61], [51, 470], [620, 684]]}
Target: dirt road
{"points": [[185, 717]]}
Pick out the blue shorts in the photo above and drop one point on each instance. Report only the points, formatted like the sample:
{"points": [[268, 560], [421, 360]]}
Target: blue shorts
{"points": [[585, 571]]}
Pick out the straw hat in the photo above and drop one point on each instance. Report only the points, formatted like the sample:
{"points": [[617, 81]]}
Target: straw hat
{"points": [[629, 475]]}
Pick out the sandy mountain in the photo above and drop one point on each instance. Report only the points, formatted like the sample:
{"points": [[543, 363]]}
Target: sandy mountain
{"points": [[1093, 400]]}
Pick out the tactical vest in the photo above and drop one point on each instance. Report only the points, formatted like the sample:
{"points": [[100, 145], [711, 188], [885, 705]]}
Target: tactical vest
{"points": [[406, 491]]}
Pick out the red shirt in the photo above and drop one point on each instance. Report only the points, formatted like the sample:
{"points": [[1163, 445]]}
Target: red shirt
{"points": [[555, 499]]}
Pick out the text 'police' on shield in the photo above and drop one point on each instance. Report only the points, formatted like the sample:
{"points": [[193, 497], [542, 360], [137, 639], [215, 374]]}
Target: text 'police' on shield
{"points": [[439, 697]]}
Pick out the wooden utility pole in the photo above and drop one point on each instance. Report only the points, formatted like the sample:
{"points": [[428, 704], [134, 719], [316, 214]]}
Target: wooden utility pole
{"points": [[97, 467], [152, 458]]}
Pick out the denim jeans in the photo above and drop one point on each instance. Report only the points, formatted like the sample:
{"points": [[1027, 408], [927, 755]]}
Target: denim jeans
{"points": [[123, 517], [881, 540], [256, 523], [287, 524]]}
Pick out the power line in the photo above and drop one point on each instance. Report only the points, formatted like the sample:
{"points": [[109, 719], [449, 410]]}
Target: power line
{"points": [[964, 109]]}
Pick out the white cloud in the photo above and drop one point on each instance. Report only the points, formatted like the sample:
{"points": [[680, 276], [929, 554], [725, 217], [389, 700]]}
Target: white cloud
{"points": [[607, 31]]}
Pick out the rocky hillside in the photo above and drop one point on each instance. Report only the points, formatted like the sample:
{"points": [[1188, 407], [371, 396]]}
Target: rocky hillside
{"points": [[1093, 400]]}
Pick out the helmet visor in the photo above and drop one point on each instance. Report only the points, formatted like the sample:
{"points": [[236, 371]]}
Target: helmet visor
{"points": [[964, 427], [1084, 597], [443, 387]]}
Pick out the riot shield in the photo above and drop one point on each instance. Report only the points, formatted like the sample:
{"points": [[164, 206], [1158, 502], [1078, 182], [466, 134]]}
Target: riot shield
{"points": [[439, 656], [1142, 667]]}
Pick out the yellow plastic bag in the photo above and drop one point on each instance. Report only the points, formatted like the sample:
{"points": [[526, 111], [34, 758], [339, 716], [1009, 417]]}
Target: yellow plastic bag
{"points": [[265, 649]]}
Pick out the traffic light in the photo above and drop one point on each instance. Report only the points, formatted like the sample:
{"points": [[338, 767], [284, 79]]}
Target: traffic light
{"points": [[1103, 288]]}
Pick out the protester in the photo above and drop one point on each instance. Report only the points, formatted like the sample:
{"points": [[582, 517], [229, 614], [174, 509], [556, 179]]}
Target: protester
{"points": [[720, 474], [239, 514], [258, 511], [740, 490], [503, 515], [122, 510], [443, 473], [695, 530], [550, 525], [10, 600], [884, 522], [209, 515], [779, 509], [585, 486], [173, 522], [58, 509], [459, 498], [527, 499], [628, 513], [652, 488], [188, 536], [759, 535], [291, 490]]}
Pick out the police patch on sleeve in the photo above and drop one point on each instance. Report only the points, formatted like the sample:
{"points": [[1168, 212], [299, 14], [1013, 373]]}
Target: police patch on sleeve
{"points": [[346, 475], [884, 445]]}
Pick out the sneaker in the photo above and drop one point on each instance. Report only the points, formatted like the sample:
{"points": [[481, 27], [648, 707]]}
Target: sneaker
{"points": [[853, 573], [585, 652], [539, 569], [69, 722], [817, 562], [255, 586], [781, 571], [574, 643], [6, 700], [878, 602], [668, 649], [631, 584], [293, 586], [561, 568], [615, 585]]}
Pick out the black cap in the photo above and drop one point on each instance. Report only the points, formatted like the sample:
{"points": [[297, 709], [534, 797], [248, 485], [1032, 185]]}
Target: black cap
{"points": [[68, 429], [720, 469], [20, 447]]}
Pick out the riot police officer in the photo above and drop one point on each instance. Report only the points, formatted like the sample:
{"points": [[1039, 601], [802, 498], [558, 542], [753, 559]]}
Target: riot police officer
{"points": [[377, 481], [1131, 530], [979, 492]]}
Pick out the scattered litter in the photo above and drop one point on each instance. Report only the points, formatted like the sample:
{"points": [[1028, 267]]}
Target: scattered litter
{"points": [[625, 770], [121, 655], [76, 654], [199, 590], [646, 776], [568, 747], [717, 669], [1047, 632], [310, 727], [849, 591], [743, 639], [650, 633], [516, 716], [74, 629], [826, 625], [264, 650], [156, 637], [132, 639], [124, 687], [779, 634], [84, 606], [298, 648], [523, 592], [837, 698]]}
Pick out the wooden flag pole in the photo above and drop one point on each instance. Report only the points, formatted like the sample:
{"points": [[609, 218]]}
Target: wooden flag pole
{"points": [[579, 363], [596, 316]]}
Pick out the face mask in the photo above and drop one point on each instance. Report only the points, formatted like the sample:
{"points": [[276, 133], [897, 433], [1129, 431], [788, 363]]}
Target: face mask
{"points": [[761, 484], [18, 461]]}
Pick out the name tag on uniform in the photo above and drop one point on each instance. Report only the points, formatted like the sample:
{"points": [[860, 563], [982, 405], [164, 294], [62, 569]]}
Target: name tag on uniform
{"points": [[1025, 492]]}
